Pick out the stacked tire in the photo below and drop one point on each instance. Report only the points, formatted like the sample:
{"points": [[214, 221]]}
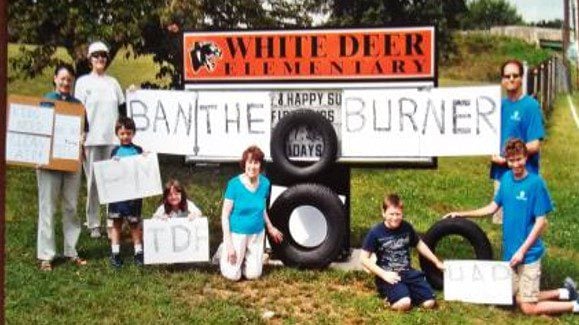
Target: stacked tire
{"points": [[461, 227], [310, 214]]}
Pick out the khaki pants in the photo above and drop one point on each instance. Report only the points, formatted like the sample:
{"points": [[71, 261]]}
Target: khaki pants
{"points": [[249, 252], [51, 185], [93, 154]]}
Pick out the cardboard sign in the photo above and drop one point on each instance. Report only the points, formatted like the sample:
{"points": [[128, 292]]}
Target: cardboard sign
{"points": [[475, 281], [44, 133], [128, 178], [309, 55], [176, 240], [457, 121], [210, 124]]}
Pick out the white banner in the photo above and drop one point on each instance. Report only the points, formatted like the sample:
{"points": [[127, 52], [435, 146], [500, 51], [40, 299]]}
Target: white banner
{"points": [[176, 240], [457, 121], [474, 281], [210, 124], [128, 178]]}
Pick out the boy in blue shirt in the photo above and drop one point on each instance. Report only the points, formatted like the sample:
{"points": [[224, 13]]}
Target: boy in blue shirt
{"points": [[391, 240], [526, 202], [126, 210]]}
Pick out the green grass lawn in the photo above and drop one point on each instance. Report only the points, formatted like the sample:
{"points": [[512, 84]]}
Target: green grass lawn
{"points": [[198, 294]]}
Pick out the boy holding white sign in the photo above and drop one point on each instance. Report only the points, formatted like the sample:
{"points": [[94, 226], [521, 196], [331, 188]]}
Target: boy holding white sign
{"points": [[396, 281], [525, 200], [126, 210]]}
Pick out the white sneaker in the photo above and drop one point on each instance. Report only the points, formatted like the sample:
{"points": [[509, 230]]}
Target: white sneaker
{"points": [[95, 233]]}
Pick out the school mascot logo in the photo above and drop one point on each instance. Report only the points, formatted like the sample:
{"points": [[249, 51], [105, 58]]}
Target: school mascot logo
{"points": [[204, 54]]}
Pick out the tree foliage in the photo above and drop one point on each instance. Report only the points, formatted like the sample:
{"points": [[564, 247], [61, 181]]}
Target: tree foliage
{"points": [[483, 14], [444, 14], [555, 23], [142, 26]]}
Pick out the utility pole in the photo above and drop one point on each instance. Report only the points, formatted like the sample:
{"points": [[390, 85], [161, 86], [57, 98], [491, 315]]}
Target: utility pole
{"points": [[3, 82], [565, 27]]}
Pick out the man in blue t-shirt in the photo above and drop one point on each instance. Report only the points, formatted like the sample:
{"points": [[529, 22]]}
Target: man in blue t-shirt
{"points": [[391, 240], [521, 117], [526, 202]]}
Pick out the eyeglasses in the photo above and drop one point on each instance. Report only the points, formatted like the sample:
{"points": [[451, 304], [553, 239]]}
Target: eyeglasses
{"points": [[512, 75], [99, 55]]}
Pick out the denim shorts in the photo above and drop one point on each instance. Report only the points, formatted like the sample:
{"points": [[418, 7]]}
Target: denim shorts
{"points": [[412, 284]]}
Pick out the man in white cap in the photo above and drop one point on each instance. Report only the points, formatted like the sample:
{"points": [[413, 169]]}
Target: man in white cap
{"points": [[104, 101]]}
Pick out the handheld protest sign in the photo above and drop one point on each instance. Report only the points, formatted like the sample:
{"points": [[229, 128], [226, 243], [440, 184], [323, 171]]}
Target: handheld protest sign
{"points": [[176, 240], [128, 178], [44, 133], [482, 282]]}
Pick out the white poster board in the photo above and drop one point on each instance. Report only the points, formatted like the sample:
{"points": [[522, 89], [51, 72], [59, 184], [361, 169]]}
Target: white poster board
{"points": [[66, 143], [475, 281], [128, 178], [27, 148], [176, 240], [31, 119], [209, 124], [457, 121]]}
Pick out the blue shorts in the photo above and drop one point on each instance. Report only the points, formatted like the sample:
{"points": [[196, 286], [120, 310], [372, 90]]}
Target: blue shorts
{"points": [[413, 284], [128, 210]]}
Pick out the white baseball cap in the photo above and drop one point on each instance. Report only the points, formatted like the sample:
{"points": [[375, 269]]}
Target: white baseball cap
{"points": [[97, 47]]}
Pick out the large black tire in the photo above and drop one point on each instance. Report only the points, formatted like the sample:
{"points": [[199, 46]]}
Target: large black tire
{"points": [[314, 121], [453, 226], [290, 252]]}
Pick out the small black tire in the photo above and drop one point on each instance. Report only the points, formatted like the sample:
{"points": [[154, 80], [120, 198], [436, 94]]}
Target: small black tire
{"points": [[280, 133], [289, 251], [453, 226]]}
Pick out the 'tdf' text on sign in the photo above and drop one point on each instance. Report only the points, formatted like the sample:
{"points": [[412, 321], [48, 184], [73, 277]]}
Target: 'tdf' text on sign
{"points": [[176, 240]]}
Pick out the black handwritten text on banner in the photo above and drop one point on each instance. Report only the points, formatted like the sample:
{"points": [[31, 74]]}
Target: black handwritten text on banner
{"points": [[437, 122], [205, 124]]}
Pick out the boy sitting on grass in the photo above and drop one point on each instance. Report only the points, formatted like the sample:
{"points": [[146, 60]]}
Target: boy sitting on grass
{"points": [[525, 201], [396, 281]]}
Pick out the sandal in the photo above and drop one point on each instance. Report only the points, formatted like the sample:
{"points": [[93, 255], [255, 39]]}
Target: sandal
{"points": [[45, 266], [78, 261]]}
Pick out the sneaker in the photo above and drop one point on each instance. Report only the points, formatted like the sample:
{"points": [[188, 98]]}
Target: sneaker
{"points": [[95, 233], [116, 261], [139, 259], [571, 286]]}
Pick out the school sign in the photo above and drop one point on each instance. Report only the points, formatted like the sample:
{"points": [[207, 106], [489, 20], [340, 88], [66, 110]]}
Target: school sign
{"points": [[309, 55]]}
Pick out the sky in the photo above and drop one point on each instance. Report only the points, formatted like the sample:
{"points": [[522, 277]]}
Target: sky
{"points": [[536, 10]]}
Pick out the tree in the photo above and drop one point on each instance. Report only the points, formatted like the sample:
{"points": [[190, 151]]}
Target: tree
{"points": [[445, 15], [142, 26], [72, 25], [555, 23], [483, 14]]}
